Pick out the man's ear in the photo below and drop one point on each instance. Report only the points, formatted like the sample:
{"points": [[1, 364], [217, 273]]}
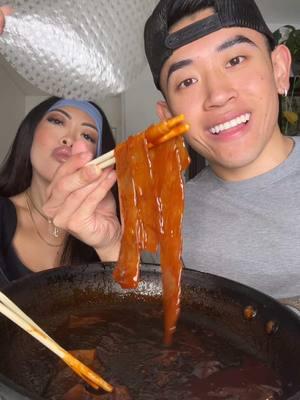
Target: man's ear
{"points": [[162, 110], [281, 59]]}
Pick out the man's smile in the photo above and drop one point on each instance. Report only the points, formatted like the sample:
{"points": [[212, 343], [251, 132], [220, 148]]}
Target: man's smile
{"points": [[242, 119]]}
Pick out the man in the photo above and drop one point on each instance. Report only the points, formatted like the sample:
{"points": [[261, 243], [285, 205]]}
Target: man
{"points": [[216, 62]]}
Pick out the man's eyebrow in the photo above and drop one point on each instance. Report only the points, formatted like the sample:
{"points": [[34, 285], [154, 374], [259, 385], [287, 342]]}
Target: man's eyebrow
{"points": [[234, 41], [225, 45], [178, 65]]}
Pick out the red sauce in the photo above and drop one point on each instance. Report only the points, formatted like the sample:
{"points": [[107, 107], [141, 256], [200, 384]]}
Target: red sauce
{"points": [[129, 353]]}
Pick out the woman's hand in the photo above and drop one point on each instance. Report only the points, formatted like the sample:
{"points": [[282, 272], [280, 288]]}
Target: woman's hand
{"points": [[4, 11], [80, 202]]}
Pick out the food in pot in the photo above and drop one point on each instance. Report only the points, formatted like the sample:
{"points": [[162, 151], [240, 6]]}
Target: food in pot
{"points": [[124, 345], [152, 201]]}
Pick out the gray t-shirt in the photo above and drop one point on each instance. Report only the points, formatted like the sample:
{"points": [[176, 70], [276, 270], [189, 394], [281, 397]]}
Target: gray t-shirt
{"points": [[248, 231]]}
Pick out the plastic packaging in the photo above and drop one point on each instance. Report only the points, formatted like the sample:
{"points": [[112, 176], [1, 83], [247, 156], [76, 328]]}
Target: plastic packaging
{"points": [[75, 48]]}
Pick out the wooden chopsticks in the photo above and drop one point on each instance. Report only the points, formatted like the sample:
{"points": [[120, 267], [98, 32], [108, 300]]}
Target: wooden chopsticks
{"points": [[16, 315], [155, 135]]}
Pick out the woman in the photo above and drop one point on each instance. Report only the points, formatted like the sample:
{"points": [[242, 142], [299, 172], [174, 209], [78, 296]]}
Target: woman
{"points": [[54, 210]]}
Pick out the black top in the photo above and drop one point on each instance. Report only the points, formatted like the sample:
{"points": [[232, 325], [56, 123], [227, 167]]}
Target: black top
{"points": [[11, 267]]}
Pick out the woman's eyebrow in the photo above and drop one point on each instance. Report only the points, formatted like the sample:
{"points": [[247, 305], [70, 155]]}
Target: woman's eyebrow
{"points": [[234, 41], [62, 111], [89, 125], [69, 117]]}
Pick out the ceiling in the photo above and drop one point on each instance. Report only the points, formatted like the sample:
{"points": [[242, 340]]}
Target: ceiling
{"points": [[276, 13]]}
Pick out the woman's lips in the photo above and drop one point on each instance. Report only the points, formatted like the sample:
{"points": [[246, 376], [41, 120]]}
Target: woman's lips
{"points": [[62, 153]]}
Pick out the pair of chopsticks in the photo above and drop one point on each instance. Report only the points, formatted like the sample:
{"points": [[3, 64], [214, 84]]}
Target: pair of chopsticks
{"points": [[155, 135], [16, 315]]}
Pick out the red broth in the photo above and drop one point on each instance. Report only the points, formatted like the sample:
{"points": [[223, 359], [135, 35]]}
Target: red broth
{"points": [[125, 347]]}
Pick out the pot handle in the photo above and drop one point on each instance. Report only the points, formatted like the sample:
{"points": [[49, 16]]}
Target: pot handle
{"points": [[292, 302]]}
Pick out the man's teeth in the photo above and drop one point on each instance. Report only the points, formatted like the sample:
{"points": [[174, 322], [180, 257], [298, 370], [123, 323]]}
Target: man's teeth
{"points": [[242, 119]]}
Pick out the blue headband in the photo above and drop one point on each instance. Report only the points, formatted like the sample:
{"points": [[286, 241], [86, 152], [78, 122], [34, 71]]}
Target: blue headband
{"points": [[88, 108]]}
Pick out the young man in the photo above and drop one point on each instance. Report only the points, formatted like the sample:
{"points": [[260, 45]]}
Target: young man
{"points": [[215, 61]]}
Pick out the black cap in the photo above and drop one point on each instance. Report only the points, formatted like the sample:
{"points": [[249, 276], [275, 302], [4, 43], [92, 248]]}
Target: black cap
{"points": [[159, 44]]}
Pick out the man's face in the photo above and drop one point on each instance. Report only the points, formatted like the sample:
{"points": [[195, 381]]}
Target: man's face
{"points": [[226, 84]]}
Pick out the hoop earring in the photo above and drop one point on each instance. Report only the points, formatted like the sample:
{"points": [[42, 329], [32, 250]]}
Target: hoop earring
{"points": [[285, 92]]}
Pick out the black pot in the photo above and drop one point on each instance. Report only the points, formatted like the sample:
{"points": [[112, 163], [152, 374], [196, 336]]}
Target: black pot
{"points": [[218, 303]]}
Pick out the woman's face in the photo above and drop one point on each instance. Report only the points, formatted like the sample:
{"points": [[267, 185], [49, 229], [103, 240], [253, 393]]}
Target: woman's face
{"points": [[55, 137]]}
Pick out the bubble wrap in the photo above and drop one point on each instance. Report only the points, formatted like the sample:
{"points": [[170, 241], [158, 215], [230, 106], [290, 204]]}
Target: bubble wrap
{"points": [[75, 48]]}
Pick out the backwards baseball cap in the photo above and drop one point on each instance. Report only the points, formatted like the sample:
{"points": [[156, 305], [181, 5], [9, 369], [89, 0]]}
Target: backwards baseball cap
{"points": [[160, 44]]}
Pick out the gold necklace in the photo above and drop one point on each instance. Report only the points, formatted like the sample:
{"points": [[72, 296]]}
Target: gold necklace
{"points": [[27, 198], [52, 229]]}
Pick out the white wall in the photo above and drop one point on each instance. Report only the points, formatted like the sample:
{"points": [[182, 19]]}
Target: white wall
{"points": [[139, 104], [12, 111]]}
